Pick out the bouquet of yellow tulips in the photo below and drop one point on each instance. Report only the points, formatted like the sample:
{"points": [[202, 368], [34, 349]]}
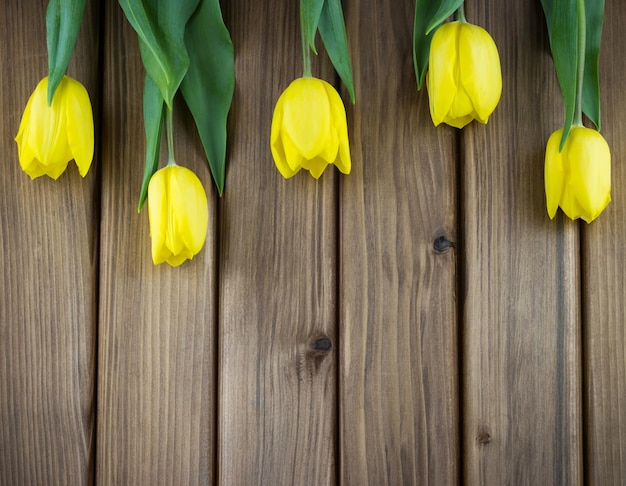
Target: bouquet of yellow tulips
{"points": [[456, 60]]}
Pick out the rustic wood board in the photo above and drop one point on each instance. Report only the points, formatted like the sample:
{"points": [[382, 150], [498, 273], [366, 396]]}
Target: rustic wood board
{"points": [[604, 282], [397, 294], [522, 411], [156, 359], [277, 277], [48, 281]]}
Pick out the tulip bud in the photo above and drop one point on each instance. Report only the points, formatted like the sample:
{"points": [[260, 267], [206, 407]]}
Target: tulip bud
{"points": [[309, 129], [178, 213], [464, 79], [50, 136], [578, 179]]}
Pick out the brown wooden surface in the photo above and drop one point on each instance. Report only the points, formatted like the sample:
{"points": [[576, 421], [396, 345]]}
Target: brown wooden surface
{"points": [[277, 278], [604, 297], [398, 325], [157, 325], [320, 337], [522, 410], [48, 264]]}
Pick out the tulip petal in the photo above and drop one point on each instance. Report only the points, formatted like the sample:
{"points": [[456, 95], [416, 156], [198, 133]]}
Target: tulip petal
{"points": [[480, 73], [80, 129], [157, 215], [590, 168], [306, 117], [47, 136], [554, 177], [315, 166], [442, 71], [338, 115]]}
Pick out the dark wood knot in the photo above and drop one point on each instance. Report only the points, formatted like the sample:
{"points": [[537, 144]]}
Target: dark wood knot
{"points": [[442, 244], [322, 344]]}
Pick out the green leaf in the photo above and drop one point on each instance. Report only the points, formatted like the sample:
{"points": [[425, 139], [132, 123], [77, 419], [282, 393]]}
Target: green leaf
{"points": [[63, 18], [153, 105], [425, 10], [564, 44], [594, 15], [446, 8], [333, 32], [161, 28], [210, 82], [310, 12]]}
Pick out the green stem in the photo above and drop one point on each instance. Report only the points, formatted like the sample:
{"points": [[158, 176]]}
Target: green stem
{"points": [[169, 133], [306, 50], [460, 14], [582, 41]]}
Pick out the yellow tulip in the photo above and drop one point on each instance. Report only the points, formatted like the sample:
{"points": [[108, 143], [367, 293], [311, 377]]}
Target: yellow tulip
{"points": [[578, 179], [178, 213], [50, 136], [464, 79], [309, 129]]}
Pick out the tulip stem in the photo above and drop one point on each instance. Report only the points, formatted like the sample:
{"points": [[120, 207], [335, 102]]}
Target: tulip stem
{"points": [[580, 74], [459, 15], [306, 50], [169, 133]]}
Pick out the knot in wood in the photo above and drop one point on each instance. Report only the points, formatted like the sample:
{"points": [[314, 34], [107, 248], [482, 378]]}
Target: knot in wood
{"points": [[322, 344], [442, 244]]}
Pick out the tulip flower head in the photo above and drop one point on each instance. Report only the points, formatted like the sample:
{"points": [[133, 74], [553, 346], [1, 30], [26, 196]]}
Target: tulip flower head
{"points": [[50, 136], [464, 80], [309, 129], [578, 179], [178, 213]]}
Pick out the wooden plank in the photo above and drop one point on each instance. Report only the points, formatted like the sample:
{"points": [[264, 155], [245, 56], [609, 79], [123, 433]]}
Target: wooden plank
{"points": [[277, 277], [521, 322], [156, 359], [604, 282], [48, 281], [398, 311]]}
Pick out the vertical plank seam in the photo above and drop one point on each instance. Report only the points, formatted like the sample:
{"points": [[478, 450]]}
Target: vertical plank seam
{"points": [[98, 197], [584, 380], [461, 276]]}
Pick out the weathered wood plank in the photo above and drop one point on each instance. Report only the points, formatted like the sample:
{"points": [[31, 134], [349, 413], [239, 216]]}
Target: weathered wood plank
{"points": [[48, 281], [521, 322], [398, 311], [277, 277], [156, 359], [604, 280]]}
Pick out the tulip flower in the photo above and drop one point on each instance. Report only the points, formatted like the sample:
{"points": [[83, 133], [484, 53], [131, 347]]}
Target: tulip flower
{"points": [[178, 213], [464, 80], [309, 129], [578, 179], [50, 136]]}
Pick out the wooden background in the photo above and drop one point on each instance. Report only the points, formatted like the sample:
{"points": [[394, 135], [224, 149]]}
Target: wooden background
{"points": [[420, 321]]}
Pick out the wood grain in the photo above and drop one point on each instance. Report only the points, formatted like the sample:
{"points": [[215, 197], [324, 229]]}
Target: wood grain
{"points": [[277, 361], [48, 276], [156, 353], [521, 320], [604, 280], [398, 311]]}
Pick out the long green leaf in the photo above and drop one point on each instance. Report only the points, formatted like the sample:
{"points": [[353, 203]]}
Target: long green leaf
{"points": [[564, 40], [310, 12], [210, 82], [63, 18], [594, 15], [153, 104], [161, 29], [425, 10], [446, 8], [333, 32]]}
